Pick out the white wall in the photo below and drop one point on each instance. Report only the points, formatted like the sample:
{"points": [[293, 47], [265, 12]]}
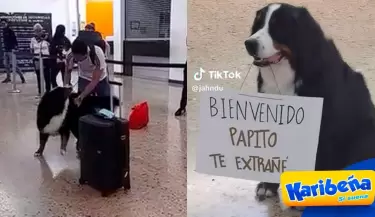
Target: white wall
{"points": [[118, 31], [63, 11], [82, 9], [178, 48]]}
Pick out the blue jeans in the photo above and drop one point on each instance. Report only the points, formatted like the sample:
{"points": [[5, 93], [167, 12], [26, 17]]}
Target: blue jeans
{"points": [[8, 64], [101, 89]]}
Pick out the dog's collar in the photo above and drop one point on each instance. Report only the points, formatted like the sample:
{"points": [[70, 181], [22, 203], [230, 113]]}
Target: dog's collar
{"points": [[267, 63]]}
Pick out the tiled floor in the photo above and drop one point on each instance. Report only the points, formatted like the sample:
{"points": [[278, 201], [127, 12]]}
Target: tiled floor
{"points": [[49, 188]]}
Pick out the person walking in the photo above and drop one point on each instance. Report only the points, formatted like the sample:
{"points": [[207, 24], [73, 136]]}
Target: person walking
{"points": [[59, 46], [182, 110], [39, 44], [10, 46]]}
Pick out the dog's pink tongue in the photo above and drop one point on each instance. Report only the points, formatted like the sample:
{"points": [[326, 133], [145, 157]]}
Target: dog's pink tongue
{"points": [[274, 58]]}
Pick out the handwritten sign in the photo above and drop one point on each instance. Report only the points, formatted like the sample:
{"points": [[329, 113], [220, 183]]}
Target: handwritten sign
{"points": [[257, 136]]}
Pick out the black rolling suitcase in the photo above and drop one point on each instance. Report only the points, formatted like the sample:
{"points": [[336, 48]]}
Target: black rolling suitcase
{"points": [[104, 154]]}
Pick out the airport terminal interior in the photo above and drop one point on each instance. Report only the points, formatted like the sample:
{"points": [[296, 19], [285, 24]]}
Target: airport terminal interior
{"points": [[49, 186]]}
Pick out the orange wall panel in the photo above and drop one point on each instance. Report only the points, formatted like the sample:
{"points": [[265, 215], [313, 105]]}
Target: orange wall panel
{"points": [[100, 12]]}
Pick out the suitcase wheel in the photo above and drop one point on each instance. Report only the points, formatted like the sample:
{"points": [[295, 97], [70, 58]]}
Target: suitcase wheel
{"points": [[82, 181]]}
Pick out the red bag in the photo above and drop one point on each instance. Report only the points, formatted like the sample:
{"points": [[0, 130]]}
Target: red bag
{"points": [[138, 117]]}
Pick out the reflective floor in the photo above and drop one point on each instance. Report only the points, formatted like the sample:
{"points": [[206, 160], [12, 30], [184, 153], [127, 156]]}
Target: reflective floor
{"points": [[49, 187]]}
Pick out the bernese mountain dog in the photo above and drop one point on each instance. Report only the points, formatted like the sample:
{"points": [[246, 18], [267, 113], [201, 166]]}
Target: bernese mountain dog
{"points": [[294, 57], [57, 114]]}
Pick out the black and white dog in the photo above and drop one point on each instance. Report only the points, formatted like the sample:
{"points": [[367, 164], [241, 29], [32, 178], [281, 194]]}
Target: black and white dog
{"points": [[294, 57], [57, 114]]}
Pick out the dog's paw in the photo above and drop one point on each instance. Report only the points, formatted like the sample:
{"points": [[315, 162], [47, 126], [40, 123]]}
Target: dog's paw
{"points": [[38, 154], [300, 208], [284, 207], [265, 190], [62, 152]]}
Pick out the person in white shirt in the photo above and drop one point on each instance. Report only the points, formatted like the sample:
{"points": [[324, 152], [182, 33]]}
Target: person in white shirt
{"points": [[39, 44], [92, 70]]}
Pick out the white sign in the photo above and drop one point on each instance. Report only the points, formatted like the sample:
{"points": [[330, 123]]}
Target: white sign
{"points": [[257, 136]]}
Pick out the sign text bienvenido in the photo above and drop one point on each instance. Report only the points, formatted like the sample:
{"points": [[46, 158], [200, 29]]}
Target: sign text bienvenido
{"points": [[257, 136]]}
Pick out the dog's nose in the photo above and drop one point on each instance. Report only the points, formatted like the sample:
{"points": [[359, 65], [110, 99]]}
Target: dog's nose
{"points": [[251, 46]]}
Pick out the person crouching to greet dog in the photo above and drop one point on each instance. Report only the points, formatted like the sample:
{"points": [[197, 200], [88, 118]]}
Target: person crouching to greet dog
{"points": [[92, 70]]}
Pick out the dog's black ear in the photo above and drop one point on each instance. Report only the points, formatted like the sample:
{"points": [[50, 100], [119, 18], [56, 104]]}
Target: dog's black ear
{"points": [[308, 42], [305, 21], [300, 13]]}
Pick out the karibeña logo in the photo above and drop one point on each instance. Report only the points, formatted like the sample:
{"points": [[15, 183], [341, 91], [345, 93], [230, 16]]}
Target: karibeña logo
{"points": [[199, 75], [298, 191], [327, 188]]}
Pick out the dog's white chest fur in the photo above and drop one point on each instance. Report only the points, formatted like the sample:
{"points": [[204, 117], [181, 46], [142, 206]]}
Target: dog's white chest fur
{"points": [[278, 78], [55, 123]]}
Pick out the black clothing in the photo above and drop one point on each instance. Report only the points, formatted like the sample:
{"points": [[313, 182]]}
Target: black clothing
{"points": [[48, 74], [61, 68], [183, 101], [182, 110], [10, 39], [58, 44]]}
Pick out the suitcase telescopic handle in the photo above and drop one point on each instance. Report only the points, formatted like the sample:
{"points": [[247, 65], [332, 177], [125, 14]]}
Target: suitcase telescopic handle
{"points": [[115, 83], [119, 84]]}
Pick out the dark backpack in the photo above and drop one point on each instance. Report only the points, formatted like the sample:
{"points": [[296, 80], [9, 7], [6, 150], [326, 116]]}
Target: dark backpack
{"points": [[92, 39]]}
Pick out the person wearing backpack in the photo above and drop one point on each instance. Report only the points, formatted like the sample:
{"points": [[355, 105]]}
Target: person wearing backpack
{"points": [[92, 69], [91, 28]]}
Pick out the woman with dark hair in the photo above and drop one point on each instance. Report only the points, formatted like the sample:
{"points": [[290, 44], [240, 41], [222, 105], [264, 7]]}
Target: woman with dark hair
{"points": [[60, 45]]}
